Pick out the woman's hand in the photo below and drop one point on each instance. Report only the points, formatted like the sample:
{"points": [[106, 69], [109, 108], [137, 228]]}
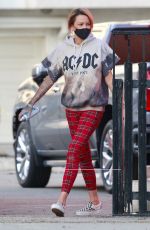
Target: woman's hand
{"points": [[44, 87], [26, 109]]}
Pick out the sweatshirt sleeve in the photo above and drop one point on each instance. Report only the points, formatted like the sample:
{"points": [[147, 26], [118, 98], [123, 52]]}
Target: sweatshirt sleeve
{"points": [[52, 64], [107, 58]]}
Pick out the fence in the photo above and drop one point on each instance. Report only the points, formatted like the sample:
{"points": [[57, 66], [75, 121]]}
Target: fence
{"points": [[123, 194]]}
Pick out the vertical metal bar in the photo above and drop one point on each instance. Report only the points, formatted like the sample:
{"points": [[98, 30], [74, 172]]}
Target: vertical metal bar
{"points": [[115, 140], [120, 152], [142, 139], [128, 161], [118, 205]]}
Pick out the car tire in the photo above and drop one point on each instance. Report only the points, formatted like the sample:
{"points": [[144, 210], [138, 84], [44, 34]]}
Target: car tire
{"points": [[106, 156], [29, 173]]}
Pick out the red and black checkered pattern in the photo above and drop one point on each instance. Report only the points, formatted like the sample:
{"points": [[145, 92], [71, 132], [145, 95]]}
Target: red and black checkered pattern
{"points": [[81, 124]]}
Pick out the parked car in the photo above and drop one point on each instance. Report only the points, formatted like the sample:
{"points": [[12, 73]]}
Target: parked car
{"points": [[41, 143]]}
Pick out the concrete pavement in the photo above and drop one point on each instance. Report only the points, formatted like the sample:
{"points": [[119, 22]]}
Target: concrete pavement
{"points": [[115, 224], [74, 226]]}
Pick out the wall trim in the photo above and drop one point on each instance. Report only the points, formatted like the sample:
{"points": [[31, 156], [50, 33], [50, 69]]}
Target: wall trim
{"points": [[22, 23]]}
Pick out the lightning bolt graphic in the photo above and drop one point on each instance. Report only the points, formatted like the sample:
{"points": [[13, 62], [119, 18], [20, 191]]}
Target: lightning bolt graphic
{"points": [[79, 61]]}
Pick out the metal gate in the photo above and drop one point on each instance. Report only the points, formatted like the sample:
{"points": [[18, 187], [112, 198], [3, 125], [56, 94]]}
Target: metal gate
{"points": [[123, 194]]}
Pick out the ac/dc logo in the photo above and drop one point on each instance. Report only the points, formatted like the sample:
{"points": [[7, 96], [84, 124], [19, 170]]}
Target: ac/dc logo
{"points": [[86, 60]]}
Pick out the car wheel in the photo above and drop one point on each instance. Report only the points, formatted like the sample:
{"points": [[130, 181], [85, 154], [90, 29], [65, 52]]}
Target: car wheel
{"points": [[106, 156], [27, 171]]}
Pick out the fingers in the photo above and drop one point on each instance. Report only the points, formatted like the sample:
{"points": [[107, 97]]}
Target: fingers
{"points": [[20, 114], [23, 111]]}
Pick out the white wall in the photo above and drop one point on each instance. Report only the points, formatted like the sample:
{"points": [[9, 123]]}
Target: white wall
{"points": [[20, 49], [57, 4]]}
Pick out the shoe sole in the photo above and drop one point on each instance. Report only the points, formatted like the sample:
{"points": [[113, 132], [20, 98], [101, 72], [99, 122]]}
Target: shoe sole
{"points": [[57, 212], [98, 212]]}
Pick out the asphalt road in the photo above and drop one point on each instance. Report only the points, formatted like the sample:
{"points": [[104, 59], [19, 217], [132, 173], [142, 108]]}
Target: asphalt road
{"points": [[18, 201]]}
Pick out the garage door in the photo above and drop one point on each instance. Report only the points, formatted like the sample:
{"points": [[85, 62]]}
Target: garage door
{"points": [[17, 56]]}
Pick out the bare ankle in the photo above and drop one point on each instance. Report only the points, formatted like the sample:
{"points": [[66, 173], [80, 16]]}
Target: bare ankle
{"points": [[63, 198], [95, 202]]}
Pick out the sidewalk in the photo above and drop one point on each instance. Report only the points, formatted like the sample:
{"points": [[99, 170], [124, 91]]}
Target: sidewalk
{"points": [[43, 198], [101, 223]]}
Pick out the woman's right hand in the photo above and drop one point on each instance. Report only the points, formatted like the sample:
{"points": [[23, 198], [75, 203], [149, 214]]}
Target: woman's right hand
{"points": [[44, 87], [26, 109]]}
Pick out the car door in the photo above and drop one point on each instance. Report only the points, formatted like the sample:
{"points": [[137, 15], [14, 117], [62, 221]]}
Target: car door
{"points": [[65, 137], [46, 132]]}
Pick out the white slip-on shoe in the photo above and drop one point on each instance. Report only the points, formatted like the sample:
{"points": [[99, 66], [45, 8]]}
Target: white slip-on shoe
{"points": [[58, 209], [90, 210]]}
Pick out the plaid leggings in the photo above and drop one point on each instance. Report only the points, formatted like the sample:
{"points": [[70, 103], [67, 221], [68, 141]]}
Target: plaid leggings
{"points": [[81, 124]]}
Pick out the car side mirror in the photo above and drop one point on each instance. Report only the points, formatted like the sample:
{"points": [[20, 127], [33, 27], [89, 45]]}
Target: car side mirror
{"points": [[39, 72]]}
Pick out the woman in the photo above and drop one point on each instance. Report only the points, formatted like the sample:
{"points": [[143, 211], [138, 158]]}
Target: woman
{"points": [[86, 63]]}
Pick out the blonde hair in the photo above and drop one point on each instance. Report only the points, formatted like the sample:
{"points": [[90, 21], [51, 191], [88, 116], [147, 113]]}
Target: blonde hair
{"points": [[79, 11]]}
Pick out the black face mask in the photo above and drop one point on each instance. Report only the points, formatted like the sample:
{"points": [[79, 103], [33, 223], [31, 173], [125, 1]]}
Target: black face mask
{"points": [[82, 33]]}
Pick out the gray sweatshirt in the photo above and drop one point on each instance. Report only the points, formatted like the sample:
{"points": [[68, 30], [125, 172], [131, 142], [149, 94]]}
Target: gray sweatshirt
{"points": [[84, 67]]}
